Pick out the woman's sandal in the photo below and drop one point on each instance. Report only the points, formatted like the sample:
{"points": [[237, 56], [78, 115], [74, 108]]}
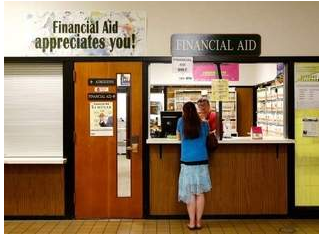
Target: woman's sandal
{"points": [[191, 228], [198, 227]]}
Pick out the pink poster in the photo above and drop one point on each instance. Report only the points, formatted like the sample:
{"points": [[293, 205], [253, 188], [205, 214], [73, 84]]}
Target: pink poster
{"points": [[208, 71]]}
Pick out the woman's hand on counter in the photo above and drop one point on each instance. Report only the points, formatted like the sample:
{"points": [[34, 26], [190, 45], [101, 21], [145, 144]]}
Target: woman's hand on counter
{"points": [[178, 135]]}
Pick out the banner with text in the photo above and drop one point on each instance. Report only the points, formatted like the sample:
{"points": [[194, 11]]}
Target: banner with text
{"points": [[91, 33], [208, 71]]}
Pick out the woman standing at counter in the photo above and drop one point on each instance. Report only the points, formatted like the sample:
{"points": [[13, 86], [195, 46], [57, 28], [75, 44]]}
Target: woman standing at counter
{"points": [[205, 113], [194, 178]]}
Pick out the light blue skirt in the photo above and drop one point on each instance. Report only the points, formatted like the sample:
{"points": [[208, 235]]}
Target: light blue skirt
{"points": [[193, 179]]}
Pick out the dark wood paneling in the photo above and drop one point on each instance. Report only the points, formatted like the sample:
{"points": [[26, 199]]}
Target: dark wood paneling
{"points": [[246, 179], [34, 190], [164, 173], [244, 110]]}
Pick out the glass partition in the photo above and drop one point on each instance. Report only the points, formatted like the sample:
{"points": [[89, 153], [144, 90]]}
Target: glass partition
{"points": [[123, 134]]}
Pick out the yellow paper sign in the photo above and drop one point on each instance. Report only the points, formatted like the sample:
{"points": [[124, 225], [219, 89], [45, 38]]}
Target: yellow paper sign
{"points": [[220, 90]]}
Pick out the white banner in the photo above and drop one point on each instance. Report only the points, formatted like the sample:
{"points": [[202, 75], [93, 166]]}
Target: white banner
{"points": [[80, 33]]}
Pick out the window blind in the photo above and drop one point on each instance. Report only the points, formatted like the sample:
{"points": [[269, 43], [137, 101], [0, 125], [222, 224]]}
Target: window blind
{"points": [[33, 110]]}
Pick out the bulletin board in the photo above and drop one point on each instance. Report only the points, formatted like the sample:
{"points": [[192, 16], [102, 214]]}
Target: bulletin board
{"points": [[306, 134]]}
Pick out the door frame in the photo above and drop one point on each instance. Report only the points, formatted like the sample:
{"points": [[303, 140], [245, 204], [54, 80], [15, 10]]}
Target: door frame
{"points": [[68, 123]]}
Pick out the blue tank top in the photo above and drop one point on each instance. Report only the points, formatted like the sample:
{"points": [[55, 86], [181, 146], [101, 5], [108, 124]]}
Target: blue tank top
{"points": [[193, 149]]}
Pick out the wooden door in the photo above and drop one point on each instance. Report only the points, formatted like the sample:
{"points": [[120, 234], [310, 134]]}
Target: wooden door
{"points": [[96, 170]]}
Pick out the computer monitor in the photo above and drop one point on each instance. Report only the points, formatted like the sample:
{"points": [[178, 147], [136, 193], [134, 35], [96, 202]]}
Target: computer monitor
{"points": [[169, 122]]}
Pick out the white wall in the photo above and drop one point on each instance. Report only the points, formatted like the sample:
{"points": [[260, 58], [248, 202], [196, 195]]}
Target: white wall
{"points": [[254, 74], [286, 28], [249, 75]]}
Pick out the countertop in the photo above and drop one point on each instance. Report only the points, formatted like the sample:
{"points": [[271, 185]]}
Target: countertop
{"points": [[233, 140], [34, 160]]}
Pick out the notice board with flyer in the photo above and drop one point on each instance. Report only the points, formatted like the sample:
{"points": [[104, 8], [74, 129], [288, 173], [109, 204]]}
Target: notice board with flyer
{"points": [[306, 134]]}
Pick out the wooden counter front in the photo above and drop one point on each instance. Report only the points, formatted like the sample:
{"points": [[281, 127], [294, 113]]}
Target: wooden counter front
{"points": [[246, 179]]}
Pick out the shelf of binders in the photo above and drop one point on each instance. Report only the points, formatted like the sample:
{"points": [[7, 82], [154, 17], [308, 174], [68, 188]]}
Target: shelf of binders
{"points": [[185, 95], [270, 110], [229, 111]]}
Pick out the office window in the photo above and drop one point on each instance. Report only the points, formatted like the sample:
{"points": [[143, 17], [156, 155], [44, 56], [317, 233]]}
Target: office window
{"points": [[33, 110]]}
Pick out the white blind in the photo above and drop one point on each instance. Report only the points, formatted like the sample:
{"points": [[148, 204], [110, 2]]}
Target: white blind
{"points": [[33, 110]]}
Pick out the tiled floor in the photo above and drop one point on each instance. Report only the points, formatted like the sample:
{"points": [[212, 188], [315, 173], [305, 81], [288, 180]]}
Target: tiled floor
{"points": [[270, 226]]}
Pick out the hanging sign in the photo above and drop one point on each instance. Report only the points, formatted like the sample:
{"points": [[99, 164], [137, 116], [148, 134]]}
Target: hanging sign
{"points": [[101, 96], [182, 64], [182, 68], [85, 33], [220, 90], [101, 119], [215, 44], [101, 82]]}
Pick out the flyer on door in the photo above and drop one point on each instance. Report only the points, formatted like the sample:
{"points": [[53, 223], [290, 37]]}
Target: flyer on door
{"points": [[101, 119]]}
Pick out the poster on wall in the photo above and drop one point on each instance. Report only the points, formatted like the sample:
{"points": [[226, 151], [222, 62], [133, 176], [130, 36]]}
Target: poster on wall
{"points": [[101, 119], [307, 95], [85, 33], [307, 86], [310, 127]]}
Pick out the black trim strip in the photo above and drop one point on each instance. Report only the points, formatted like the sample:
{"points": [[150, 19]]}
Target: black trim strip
{"points": [[289, 119], [145, 147], [194, 163], [165, 98], [167, 59], [311, 212], [254, 118], [68, 139], [291, 180]]}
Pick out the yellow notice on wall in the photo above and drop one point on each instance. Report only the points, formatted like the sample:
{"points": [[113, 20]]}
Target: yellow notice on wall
{"points": [[220, 90], [306, 141]]}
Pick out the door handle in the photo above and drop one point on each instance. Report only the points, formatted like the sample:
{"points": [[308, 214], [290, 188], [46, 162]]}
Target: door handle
{"points": [[133, 148]]}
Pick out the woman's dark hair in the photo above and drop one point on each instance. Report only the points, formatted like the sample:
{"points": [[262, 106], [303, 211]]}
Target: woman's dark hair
{"points": [[192, 122]]}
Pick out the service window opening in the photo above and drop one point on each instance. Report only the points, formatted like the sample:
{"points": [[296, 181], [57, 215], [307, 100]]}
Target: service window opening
{"points": [[255, 98]]}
